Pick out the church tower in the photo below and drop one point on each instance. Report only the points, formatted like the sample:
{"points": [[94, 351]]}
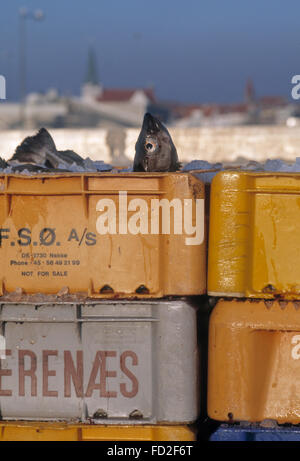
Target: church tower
{"points": [[91, 88], [249, 92]]}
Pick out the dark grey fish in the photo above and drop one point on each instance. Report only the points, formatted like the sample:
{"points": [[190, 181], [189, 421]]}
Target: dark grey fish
{"points": [[70, 157], [3, 163], [154, 149], [40, 150]]}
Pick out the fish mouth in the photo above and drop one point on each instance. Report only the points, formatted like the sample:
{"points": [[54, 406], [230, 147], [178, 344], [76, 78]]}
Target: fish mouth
{"points": [[150, 123]]}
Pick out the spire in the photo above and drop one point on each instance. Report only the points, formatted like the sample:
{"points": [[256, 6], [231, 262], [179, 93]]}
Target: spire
{"points": [[249, 92], [92, 73]]}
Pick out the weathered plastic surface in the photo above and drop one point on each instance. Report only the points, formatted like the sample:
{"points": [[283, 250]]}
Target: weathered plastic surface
{"points": [[111, 362], [252, 433], [253, 361], [39, 431], [254, 236], [50, 238]]}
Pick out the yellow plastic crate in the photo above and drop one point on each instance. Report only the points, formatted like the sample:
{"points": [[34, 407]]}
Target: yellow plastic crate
{"points": [[254, 236], [253, 361], [41, 431], [103, 234]]}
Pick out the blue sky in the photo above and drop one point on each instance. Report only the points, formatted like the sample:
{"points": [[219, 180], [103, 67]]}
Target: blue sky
{"points": [[191, 51]]}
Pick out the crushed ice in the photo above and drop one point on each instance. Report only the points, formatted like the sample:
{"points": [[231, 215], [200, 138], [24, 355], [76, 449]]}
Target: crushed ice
{"points": [[201, 168], [206, 171]]}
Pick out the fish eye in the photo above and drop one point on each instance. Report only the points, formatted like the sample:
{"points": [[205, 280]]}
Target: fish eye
{"points": [[150, 145]]}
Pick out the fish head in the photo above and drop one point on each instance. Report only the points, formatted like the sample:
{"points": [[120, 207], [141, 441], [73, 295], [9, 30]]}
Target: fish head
{"points": [[155, 150]]}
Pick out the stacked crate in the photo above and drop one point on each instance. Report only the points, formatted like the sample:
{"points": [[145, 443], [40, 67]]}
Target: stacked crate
{"points": [[254, 333], [99, 325]]}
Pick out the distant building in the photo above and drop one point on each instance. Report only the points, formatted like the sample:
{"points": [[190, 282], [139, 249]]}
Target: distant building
{"points": [[274, 110], [39, 109], [263, 110], [98, 106], [110, 107]]}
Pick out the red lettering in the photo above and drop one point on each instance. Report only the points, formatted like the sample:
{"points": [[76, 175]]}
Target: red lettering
{"points": [[100, 363], [73, 374], [129, 374], [76, 374], [47, 373], [30, 372], [5, 372]]}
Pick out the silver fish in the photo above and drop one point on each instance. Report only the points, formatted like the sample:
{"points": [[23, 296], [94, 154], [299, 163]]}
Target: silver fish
{"points": [[40, 152]]}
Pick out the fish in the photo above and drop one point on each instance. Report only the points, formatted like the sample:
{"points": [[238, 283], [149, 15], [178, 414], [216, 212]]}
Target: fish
{"points": [[40, 152], [3, 163], [154, 149]]}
